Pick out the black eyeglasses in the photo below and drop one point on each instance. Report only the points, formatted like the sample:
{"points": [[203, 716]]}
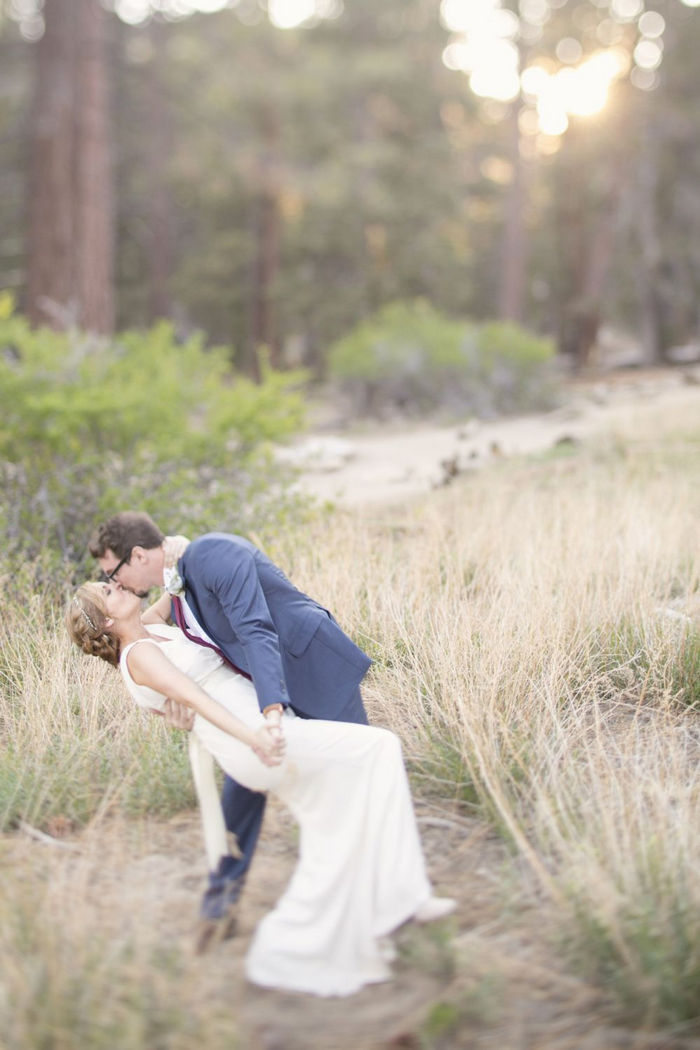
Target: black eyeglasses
{"points": [[109, 577]]}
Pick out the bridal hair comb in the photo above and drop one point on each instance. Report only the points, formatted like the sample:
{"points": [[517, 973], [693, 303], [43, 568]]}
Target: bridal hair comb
{"points": [[89, 622]]}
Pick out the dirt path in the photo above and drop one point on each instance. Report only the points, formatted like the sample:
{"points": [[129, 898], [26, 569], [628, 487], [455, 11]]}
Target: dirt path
{"points": [[487, 979], [389, 463]]}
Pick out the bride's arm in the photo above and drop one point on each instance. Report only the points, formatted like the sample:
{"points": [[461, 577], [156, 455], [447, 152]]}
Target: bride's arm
{"points": [[159, 612], [177, 716], [149, 666]]}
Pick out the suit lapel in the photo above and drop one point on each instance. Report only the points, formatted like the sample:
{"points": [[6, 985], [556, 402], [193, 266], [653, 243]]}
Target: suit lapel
{"points": [[237, 655], [196, 611]]}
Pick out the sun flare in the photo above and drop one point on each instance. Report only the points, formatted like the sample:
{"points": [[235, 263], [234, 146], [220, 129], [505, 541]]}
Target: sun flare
{"points": [[485, 47]]}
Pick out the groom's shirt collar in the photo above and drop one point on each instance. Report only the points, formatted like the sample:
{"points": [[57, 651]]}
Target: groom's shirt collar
{"points": [[192, 625]]}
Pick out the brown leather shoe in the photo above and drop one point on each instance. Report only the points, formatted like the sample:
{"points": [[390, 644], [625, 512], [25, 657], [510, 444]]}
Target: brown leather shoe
{"points": [[211, 932]]}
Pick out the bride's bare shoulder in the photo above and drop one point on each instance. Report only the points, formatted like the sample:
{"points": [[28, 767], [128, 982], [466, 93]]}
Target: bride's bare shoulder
{"points": [[140, 658]]}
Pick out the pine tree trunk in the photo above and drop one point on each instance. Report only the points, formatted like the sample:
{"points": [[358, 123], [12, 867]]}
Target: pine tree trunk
{"points": [[51, 216], [267, 241], [266, 266], [514, 245], [94, 207], [70, 208], [650, 300], [158, 122]]}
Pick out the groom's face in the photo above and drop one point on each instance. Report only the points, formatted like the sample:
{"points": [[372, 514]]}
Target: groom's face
{"points": [[132, 574]]}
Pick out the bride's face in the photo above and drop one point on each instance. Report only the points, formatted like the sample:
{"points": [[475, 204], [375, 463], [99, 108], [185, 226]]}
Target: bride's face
{"points": [[119, 603]]}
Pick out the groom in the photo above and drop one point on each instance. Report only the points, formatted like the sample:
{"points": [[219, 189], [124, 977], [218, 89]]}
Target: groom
{"points": [[231, 594]]}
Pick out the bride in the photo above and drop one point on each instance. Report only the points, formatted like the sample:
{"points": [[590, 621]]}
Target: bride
{"points": [[360, 872]]}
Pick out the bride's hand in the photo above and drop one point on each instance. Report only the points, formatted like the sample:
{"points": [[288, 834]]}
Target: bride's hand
{"points": [[269, 745], [173, 549]]}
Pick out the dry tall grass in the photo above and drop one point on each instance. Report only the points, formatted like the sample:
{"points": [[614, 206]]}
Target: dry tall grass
{"points": [[526, 653], [73, 745], [90, 964], [523, 653]]}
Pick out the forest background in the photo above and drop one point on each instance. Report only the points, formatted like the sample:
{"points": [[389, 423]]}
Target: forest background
{"points": [[272, 178]]}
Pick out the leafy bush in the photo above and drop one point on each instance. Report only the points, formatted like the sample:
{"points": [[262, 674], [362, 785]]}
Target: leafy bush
{"points": [[89, 426], [409, 358]]}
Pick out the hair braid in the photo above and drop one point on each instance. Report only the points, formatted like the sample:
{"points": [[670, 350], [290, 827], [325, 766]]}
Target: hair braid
{"points": [[86, 618]]}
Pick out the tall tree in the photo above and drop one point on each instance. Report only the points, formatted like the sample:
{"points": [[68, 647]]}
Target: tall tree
{"points": [[94, 195], [158, 144], [376, 174], [70, 207], [267, 219], [51, 205], [511, 293], [14, 80]]}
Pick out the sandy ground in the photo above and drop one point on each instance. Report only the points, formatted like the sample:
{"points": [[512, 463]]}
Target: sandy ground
{"points": [[390, 463]]}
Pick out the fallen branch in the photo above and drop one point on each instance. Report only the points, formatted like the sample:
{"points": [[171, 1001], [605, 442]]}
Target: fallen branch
{"points": [[48, 840]]}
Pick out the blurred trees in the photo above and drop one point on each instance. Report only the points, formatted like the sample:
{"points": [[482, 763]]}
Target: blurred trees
{"points": [[70, 200], [306, 179], [277, 187]]}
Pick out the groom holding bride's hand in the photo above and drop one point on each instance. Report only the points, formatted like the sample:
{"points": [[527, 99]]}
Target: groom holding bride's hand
{"points": [[228, 595]]}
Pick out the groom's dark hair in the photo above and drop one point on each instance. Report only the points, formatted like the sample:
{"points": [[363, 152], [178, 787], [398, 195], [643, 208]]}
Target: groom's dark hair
{"points": [[122, 532]]}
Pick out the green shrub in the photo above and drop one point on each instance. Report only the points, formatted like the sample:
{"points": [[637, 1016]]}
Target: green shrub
{"points": [[89, 426], [511, 368], [646, 954], [409, 358], [78, 977]]}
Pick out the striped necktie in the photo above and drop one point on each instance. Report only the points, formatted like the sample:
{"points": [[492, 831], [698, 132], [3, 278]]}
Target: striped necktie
{"points": [[179, 615]]}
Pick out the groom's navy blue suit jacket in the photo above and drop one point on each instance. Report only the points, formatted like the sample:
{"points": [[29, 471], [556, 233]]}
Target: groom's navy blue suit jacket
{"points": [[290, 645]]}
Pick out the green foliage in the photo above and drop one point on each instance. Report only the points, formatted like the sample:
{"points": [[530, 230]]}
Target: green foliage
{"points": [[429, 948], [90, 426], [411, 358], [360, 216], [442, 770], [69, 986], [440, 1025], [686, 669], [449, 1022], [512, 366], [159, 779], [646, 954], [143, 768], [68, 394], [645, 660]]}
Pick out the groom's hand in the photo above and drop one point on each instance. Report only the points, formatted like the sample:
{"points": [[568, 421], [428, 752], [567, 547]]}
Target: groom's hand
{"points": [[269, 749], [178, 716], [273, 722], [270, 744]]}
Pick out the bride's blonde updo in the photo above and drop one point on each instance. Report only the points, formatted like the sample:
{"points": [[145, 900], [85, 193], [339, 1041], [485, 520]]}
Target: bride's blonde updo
{"points": [[86, 618]]}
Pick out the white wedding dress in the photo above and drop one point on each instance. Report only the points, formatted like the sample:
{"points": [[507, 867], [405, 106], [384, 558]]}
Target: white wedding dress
{"points": [[360, 872]]}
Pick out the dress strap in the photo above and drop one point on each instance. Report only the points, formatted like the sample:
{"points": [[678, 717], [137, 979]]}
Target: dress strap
{"points": [[136, 642], [125, 653]]}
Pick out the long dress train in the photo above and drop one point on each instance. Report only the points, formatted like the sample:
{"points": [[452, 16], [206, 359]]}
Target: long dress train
{"points": [[360, 871]]}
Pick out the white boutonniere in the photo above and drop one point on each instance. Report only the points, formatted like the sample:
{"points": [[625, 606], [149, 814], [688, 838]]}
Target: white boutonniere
{"points": [[173, 581], [173, 549]]}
